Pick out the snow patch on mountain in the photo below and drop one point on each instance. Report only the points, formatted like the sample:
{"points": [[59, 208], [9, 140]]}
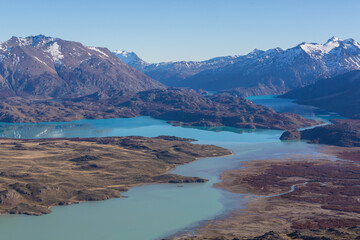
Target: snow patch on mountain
{"points": [[55, 52], [124, 53], [40, 60], [99, 51]]}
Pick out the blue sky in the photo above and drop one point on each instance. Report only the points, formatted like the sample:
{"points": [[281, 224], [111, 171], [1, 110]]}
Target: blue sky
{"points": [[171, 30]]}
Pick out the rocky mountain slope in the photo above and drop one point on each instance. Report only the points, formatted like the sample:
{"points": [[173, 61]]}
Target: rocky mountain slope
{"points": [[339, 94], [51, 67], [259, 72]]}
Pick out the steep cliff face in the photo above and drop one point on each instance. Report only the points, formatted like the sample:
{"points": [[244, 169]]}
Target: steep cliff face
{"points": [[51, 67]]}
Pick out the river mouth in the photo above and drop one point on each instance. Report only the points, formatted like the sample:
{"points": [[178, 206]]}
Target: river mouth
{"points": [[155, 210]]}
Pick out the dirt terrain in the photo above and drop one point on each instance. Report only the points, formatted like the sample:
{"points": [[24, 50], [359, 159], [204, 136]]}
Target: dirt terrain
{"points": [[324, 203], [38, 174]]}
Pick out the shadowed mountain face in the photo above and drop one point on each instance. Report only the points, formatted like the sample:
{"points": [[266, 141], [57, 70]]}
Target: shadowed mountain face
{"points": [[260, 72], [50, 67], [339, 94]]}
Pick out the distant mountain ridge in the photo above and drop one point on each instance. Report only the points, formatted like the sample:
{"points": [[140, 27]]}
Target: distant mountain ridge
{"points": [[170, 72], [259, 72], [51, 67]]}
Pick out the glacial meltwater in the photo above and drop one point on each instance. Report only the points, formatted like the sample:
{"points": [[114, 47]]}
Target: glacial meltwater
{"points": [[156, 210]]}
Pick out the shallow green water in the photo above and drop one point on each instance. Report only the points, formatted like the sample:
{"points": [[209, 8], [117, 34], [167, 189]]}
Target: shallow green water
{"points": [[150, 211]]}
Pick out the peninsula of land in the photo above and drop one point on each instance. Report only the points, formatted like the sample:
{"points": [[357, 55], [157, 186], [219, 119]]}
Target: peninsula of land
{"points": [[38, 174]]}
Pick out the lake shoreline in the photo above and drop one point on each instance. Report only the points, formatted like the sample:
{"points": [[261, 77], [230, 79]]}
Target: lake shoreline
{"points": [[192, 204], [277, 210]]}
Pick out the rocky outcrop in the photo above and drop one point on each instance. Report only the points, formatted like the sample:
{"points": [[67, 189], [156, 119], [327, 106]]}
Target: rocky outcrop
{"points": [[291, 135]]}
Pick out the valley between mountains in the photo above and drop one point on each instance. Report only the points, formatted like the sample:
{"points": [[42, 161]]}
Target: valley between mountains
{"points": [[49, 79], [298, 195]]}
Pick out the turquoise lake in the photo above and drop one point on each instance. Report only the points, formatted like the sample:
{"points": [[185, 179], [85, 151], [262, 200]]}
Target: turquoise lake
{"points": [[156, 210]]}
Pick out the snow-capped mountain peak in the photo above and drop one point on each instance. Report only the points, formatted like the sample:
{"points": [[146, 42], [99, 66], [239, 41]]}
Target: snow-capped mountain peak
{"points": [[51, 67], [333, 39], [314, 49], [131, 59], [125, 55], [38, 40], [275, 69], [255, 52]]}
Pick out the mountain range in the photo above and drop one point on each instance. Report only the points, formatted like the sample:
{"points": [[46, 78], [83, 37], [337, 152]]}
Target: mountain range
{"points": [[46, 79], [259, 72], [51, 67], [170, 72]]}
